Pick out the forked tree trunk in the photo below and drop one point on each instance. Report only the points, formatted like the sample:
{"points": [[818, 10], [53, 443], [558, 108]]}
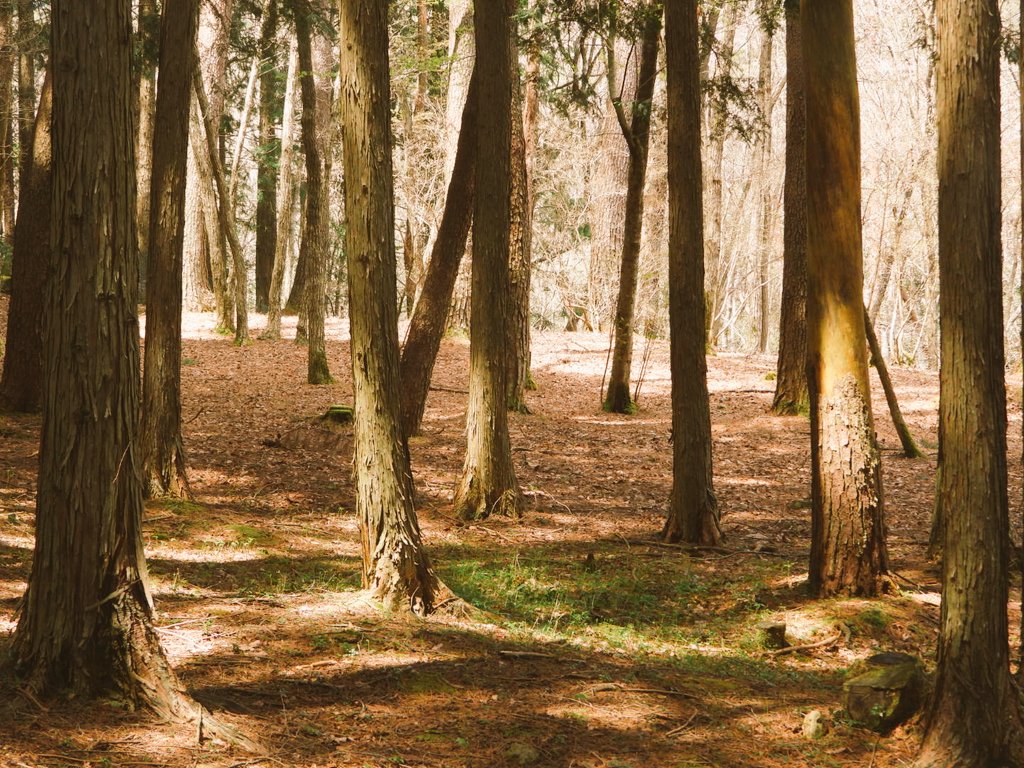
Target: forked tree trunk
{"points": [[22, 384], [316, 124], [426, 329], [791, 381], [396, 568], [637, 132], [693, 509], [974, 718], [488, 484], [848, 550], [164, 470], [267, 157]]}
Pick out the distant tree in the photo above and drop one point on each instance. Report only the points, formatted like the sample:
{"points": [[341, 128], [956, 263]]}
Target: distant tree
{"points": [[488, 484], [22, 384], [693, 509], [848, 550], [974, 718], [396, 568], [267, 155]]}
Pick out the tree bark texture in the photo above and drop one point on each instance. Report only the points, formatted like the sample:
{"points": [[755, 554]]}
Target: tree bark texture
{"points": [[149, 17], [791, 380], [974, 718], [396, 568], [848, 550], [28, 43], [488, 484], [22, 384], [693, 509], [163, 453]]}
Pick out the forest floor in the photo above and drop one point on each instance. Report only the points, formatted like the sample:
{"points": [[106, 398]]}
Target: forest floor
{"points": [[595, 646]]}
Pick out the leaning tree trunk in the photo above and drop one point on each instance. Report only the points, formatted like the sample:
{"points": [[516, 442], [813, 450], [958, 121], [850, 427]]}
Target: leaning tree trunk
{"points": [[974, 718], [426, 329], [396, 568], [163, 452], [316, 124], [848, 550], [22, 384], [86, 620], [267, 157], [693, 509], [637, 132], [791, 381], [488, 484]]}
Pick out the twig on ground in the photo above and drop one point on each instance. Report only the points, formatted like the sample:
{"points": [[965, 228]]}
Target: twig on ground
{"points": [[809, 646]]}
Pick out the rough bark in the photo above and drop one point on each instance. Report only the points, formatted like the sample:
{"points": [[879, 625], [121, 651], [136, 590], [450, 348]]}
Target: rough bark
{"points": [[693, 509], [488, 484], [317, 98], [148, 16], [791, 395], [637, 132], [426, 329], [267, 158], [163, 452], [974, 718], [848, 550], [28, 42], [22, 384], [396, 568]]}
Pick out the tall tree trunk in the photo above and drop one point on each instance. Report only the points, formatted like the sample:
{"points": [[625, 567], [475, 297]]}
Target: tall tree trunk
{"points": [[637, 133], [28, 42], [8, 201], [427, 326], [693, 509], [848, 550], [396, 568], [791, 381], [86, 620], [764, 152], [22, 384], [149, 17], [488, 484], [974, 718], [316, 125], [163, 453], [284, 206], [267, 157]]}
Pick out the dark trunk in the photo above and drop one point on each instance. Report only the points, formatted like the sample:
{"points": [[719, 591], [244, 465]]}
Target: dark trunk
{"points": [[267, 157], [28, 42], [910, 449], [149, 17]]}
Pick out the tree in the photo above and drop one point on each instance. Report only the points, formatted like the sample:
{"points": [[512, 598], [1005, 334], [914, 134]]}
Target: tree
{"points": [[149, 19], [267, 157], [22, 383], [86, 620], [163, 453], [693, 509], [974, 718], [848, 550], [791, 379], [637, 132], [396, 567], [488, 484]]}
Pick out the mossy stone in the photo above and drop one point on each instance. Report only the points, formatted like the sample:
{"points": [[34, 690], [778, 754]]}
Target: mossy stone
{"points": [[888, 694]]}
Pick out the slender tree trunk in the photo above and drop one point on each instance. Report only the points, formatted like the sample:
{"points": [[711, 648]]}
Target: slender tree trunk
{"points": [[910, 449], [316, 124], [488, 484], [637, 132], [8, 201], [267, 157], [149, 17], [396, 568], [848, 550], [693, 510], [764, 151], [791, 395], [22, 384], [284, 208], [163, 453], [28, 41], [974, 718], [427, 326]]}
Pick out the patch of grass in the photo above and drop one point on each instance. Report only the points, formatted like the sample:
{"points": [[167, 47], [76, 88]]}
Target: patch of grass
{"points": [[181, 506], [873, 617], [249, 536]]}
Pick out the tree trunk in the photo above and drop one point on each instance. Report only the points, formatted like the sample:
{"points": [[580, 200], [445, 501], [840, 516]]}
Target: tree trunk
{"points": [[488, 484], [910, 449], [396, 568], [149, 17], [28, 42], [22, 384], [693, 510], [284, 207], [848, 550], [426, 328], [267, 158], [8, 201], [316, 126], [764, 151], [791, 381], [974, 718], [637, 133], [163, 453]]}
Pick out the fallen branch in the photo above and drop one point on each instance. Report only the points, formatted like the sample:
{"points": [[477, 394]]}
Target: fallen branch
{"points": [[809, 646]]}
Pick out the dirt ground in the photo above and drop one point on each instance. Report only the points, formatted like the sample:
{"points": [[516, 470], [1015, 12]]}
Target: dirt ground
{"points": [[594, 646]]}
